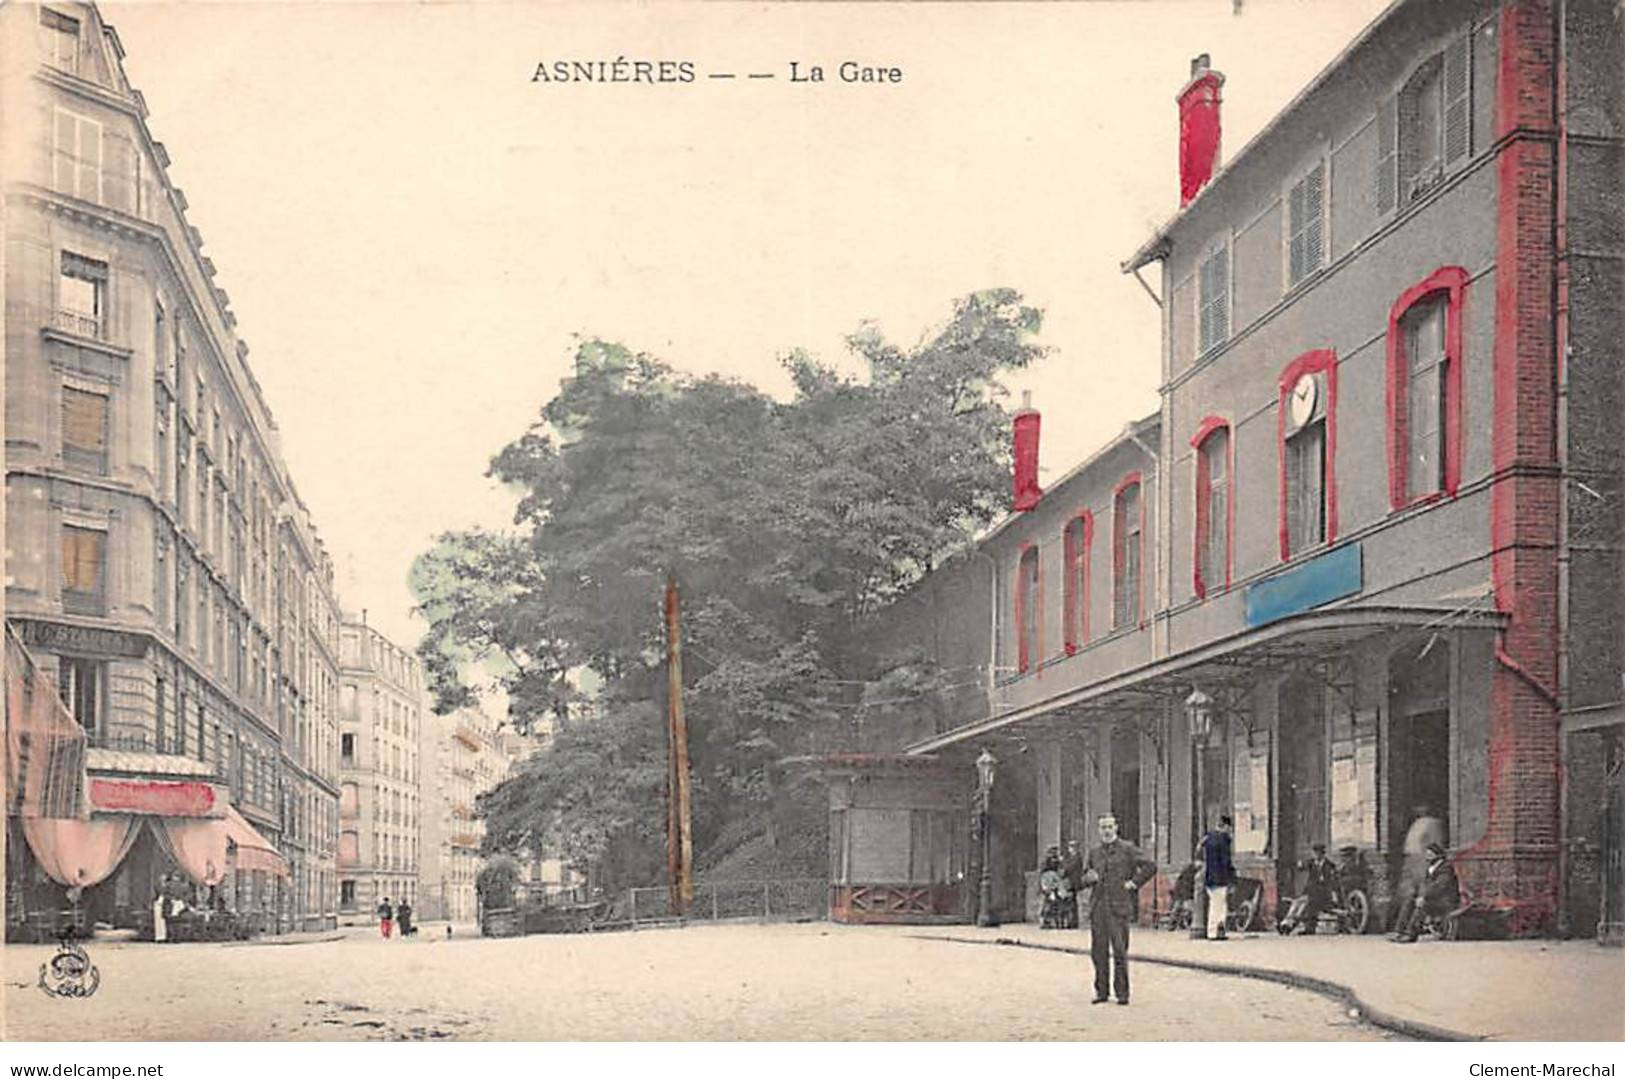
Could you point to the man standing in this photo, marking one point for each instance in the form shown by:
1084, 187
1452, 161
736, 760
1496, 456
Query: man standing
1116, 871
386, 917
1218, 872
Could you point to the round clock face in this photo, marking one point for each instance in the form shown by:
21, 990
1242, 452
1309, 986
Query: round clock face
1304, 395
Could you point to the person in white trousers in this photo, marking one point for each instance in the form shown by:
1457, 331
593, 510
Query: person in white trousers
1218, 873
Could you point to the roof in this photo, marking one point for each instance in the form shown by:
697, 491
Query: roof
1157, 246
1237, 657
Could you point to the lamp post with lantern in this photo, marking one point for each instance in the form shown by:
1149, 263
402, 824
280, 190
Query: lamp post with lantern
986, 763
1199, 714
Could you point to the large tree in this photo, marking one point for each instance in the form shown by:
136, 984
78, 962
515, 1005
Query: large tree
786, 524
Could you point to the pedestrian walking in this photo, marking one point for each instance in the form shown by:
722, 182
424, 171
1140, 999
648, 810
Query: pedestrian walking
1116, 870
403, 919
1218, 874
1426, 830
386, 917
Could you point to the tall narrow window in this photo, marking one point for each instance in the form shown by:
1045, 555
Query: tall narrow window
1076, 544
1213, 300
84, 430
1424, 389
1213, 518
1307, 436
1027, 610
84, 554
80, 684
62, 40
1306, 232
1128, 523
77, 161
81, 295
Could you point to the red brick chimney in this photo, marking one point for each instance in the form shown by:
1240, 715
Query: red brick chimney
1027, 492
1198, 128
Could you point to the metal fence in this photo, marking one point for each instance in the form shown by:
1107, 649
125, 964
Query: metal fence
799, 900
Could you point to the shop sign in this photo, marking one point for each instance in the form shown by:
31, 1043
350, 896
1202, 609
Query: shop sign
159, 798
83, 640
1302, 588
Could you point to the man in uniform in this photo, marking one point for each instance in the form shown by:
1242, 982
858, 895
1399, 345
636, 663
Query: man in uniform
1116, 870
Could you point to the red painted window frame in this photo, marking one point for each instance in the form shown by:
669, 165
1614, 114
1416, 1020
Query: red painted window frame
1075, 579
1204, 487
1451, 281
1316, 361
1025, 658
1131, 480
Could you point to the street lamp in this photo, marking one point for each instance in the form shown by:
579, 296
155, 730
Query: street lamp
1199, 714
985, 766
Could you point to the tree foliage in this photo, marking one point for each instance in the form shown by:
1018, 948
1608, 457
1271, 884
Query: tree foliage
786, 524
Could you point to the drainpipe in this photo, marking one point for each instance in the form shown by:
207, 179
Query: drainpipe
1560, 351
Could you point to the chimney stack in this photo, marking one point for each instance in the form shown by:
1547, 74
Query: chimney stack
1198, 128
1027, 492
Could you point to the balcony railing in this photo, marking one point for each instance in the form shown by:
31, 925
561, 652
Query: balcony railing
80, 325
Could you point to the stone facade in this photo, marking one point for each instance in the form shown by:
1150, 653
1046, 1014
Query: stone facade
159, 564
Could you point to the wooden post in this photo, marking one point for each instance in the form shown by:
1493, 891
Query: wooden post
680, 854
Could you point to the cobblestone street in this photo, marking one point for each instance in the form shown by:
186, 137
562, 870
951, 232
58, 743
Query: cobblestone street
741, 982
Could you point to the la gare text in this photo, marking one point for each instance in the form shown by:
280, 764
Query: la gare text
623, 69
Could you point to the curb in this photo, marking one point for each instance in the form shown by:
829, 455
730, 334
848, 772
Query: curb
325, 939
1410, 1028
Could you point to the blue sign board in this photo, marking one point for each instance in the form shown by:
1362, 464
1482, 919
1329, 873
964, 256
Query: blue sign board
1333, 575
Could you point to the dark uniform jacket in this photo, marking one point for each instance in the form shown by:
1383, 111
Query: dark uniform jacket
1321, 879
1441, 892
1218, 867
1109, 866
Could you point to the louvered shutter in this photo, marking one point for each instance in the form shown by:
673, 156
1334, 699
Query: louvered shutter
1314, 199
1387, 155
1295, 252
1458, 102
1221, 295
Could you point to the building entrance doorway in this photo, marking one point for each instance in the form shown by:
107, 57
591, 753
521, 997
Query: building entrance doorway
1419, 744
1303, 807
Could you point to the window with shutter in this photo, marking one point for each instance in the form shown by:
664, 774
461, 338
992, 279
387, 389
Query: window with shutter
77, 156
83, 561
1212, 539
1026, 614
1306, 487
1127, 555
1424, 388
84, 430
1306, 226
1213, 300
1426, 128
63, 43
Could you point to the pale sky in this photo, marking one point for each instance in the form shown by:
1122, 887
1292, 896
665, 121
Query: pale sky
411, 230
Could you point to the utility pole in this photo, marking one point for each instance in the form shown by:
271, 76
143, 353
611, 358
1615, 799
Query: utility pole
679, 835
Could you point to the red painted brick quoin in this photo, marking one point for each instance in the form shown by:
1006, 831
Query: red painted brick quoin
1514, 863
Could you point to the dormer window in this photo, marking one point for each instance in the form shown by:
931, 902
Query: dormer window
62, 40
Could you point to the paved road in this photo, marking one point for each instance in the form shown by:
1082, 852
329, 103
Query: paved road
739, 982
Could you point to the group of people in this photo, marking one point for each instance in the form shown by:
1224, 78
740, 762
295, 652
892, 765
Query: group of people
1060, 879
391, 917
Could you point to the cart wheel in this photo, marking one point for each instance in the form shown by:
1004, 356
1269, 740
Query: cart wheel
1243, 915
1358, 916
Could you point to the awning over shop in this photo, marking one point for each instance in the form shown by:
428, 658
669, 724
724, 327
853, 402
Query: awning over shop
204, 848
254, 851
79, 853
1237, 659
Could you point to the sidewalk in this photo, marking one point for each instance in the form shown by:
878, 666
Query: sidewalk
1527, 990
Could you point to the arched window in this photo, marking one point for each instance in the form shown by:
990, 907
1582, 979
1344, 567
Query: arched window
1306, 444
1128, 552
1026, 620
1215, 517
1424, 389
1077, 542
